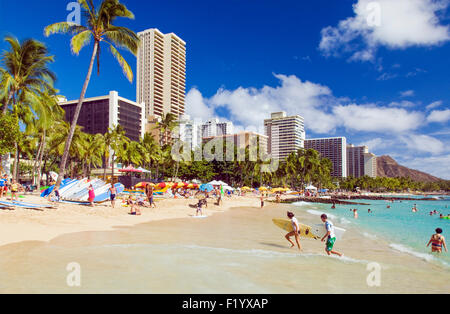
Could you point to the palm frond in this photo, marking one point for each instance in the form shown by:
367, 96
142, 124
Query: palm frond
79, 41
63, 28
123, 63
123, 38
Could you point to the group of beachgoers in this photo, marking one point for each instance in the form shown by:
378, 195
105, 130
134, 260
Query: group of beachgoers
329, 238
136, 205
13, 187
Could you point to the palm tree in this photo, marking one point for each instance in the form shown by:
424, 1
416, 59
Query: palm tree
166, 126
150, 150
100, 28
25, 71
106, 141
91, 152
119, 142
47, 113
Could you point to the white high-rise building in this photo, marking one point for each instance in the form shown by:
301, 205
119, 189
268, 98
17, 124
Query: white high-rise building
215, 128
189, 132
370, 165
161, 73
286, 134
360, 162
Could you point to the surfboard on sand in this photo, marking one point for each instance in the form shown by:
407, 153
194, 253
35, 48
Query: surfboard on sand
305, 230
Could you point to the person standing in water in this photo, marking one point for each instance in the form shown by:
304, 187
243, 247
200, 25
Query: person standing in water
355, 213
295, 233
112, 195
330, 236
437, 241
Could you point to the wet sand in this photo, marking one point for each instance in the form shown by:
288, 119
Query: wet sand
235, 251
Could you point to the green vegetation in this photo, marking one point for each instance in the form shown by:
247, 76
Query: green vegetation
100, 27
33, 129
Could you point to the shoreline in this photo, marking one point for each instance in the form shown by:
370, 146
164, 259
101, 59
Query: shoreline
345, 200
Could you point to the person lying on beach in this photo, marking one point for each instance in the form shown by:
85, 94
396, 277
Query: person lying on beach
330, 236
135, 211
437, 241
140, 201
295, 233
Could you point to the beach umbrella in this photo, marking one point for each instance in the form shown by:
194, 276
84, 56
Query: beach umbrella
143, 185
161, 185
193, 186
143, 170
130, 169
206, 188
263, 189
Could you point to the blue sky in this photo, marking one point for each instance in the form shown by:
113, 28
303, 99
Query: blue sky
378, 75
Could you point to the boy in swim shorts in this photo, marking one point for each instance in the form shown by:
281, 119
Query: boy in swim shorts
330, 236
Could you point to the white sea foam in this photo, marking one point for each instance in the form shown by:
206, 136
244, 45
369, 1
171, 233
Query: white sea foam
318, 213
301, 204
369, 236
344, 221
250, 252
401, 248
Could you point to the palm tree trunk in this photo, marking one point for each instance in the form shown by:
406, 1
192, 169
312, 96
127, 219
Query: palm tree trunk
112, 166
5, 107
35, 165
65, 157
38, 184
16, 162
105, 163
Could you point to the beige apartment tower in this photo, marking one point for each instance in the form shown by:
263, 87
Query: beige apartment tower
161, 73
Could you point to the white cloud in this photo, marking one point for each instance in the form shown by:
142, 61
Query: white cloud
395, 24
438, 166
439, 116
370, 118
402, 104
196, 106
324, 113
423, 143
407, 93
250, 106
434, 105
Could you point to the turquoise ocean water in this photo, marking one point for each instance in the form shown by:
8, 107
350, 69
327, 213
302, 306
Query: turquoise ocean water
406, 231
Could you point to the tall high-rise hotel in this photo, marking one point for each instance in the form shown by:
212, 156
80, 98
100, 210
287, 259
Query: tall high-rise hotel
161, 73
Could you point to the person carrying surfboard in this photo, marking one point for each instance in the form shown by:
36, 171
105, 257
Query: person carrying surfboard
295, 233
330, 236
